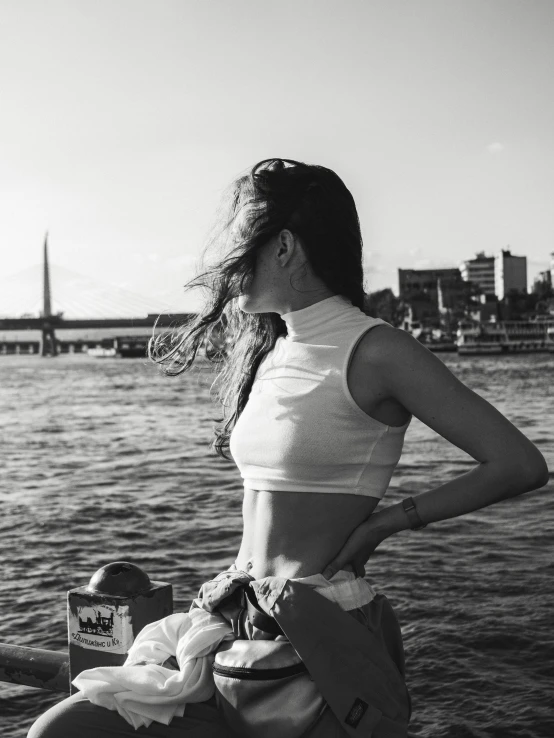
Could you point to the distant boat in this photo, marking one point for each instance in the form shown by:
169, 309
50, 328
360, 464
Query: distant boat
438, 344
550, 338
505, 337
132, 347
100, 352
436, 340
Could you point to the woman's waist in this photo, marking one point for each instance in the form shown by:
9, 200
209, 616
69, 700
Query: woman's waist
296, 534
289, 555
262, 564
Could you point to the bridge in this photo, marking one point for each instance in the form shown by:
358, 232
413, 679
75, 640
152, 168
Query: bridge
47, 322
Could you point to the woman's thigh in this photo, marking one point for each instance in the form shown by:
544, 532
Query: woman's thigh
76, 717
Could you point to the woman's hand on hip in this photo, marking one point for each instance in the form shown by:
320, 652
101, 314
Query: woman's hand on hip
359, 546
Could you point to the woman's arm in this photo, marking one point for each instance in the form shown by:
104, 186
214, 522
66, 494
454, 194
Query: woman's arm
508, 463
484, 485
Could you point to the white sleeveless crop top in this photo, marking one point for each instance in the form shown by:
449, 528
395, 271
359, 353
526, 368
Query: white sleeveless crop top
301, 430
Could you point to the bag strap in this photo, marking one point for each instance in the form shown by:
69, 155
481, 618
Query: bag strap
257, 617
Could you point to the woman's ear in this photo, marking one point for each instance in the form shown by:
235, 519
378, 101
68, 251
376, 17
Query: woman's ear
289, 243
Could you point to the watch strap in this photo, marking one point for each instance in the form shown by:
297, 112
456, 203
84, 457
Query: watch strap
416, 523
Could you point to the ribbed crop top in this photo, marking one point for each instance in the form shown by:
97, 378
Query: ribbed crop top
301, 430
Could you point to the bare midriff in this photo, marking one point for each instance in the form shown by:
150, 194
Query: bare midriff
296, 534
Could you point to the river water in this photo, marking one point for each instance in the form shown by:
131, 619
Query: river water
106, 460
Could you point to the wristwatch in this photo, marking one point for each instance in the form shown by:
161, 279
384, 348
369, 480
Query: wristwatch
416, 523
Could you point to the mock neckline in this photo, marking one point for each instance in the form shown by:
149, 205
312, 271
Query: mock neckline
315, 321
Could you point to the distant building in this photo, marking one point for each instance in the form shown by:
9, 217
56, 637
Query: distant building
423, 289
452, 292
480, 272
510, 272
552, 268
420, 283
542, 280
484, 309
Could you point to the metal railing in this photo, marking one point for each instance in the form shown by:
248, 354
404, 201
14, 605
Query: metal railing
34, 667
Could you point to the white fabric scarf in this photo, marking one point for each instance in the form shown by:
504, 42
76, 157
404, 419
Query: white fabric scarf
142, 694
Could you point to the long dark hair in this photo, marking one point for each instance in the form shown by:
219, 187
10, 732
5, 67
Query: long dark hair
312, 202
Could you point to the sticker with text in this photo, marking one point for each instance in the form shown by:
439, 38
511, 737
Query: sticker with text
101, 628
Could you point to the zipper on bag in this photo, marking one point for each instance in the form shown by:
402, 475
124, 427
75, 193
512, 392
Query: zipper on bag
243, 672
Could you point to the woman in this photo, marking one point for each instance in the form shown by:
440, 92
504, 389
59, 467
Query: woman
317, 397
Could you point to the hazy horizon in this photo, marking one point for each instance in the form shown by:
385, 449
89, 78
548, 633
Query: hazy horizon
123, 122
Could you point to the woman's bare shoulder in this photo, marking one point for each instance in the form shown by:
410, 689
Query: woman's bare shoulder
418, 379
383, 341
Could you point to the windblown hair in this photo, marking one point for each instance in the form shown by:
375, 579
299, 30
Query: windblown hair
314, 204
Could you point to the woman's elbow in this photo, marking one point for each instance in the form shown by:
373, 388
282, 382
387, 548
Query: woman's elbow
543, 474
535, 470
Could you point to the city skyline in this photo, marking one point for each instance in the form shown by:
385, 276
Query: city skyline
22, 294
123, 123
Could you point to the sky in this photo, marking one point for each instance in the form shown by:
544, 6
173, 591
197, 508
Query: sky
123, 122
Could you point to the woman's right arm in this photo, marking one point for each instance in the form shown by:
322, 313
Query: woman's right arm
508, 463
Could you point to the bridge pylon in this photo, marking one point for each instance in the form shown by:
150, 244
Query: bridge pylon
49, 346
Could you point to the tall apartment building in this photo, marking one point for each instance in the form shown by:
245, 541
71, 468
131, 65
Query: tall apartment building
480, 271
510, 272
